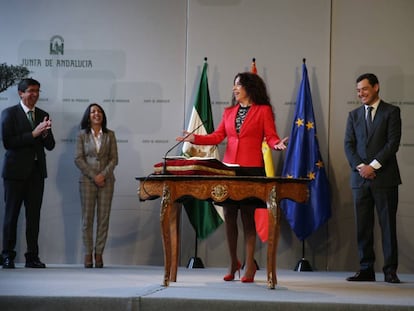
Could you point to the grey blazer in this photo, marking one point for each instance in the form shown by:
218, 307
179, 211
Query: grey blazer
91, 162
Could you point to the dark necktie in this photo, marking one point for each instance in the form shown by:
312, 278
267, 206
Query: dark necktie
369, 118
30, 117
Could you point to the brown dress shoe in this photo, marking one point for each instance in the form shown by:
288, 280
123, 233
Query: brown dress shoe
98, 261
391, 277
88, 261
363, 276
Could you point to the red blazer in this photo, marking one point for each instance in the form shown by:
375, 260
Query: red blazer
244, 148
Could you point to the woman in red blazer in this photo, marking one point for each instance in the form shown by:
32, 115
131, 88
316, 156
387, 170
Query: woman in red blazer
246, 123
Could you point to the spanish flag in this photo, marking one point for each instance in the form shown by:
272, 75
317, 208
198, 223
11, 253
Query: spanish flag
261, 214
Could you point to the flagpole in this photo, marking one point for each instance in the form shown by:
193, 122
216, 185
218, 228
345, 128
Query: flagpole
202, 101
195, 262
306, 219
303, 264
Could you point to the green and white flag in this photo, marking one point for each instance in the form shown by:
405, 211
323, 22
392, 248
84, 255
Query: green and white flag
203, 215
201, 113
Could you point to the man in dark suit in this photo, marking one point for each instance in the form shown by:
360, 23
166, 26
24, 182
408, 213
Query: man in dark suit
372, 139
26, 132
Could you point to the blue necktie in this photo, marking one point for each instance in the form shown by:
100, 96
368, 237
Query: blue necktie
369, 118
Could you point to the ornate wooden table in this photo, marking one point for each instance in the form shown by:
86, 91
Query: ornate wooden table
172, 188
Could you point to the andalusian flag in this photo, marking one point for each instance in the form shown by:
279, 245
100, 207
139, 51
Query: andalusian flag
202, 214
261, 214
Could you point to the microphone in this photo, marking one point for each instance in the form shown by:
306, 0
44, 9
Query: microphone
164, 166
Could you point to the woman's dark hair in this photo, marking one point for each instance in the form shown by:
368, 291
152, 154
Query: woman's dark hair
255, 88
86, 121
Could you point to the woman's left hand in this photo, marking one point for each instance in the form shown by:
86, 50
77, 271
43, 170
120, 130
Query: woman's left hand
282, 145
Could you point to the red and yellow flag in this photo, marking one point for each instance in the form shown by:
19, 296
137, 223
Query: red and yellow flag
261, 214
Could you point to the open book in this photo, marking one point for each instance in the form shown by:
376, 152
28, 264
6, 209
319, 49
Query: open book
181, 157
181, 165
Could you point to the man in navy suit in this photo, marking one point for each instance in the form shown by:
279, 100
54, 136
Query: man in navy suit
372, 139
26, 132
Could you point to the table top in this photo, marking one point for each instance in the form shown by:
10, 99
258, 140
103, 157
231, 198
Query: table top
221, 177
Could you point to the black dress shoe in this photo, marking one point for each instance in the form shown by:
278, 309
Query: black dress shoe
8, 263
363, 276
391, 277
35, 264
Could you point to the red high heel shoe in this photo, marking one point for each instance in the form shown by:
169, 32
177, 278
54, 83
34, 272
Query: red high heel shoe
230, 276
245, 279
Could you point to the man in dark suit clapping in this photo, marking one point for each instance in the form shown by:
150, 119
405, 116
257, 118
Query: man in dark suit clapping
26, 132
372, 139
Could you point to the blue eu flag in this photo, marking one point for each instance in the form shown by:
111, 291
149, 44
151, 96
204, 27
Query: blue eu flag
303, 160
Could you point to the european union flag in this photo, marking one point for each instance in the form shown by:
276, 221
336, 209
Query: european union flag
303, 160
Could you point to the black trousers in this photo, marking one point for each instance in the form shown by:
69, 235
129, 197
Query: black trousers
28, 192
384, 201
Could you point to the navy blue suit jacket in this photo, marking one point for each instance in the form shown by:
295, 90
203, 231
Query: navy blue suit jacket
381, 143
21, 147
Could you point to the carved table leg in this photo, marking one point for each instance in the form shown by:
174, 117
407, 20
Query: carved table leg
166, 207
273, 238
175, 239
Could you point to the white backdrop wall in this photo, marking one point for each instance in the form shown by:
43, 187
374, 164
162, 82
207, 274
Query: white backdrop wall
371, 36
137, 51
143, 61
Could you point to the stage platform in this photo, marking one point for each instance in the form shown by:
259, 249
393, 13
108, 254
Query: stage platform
138, 288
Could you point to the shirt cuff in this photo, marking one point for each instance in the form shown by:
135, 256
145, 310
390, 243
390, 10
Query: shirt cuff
375, 164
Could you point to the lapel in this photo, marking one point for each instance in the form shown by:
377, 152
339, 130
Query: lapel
232, 118
23, 116
377, 120
103, 143
360, 125
90, 144
379, 114
36, 117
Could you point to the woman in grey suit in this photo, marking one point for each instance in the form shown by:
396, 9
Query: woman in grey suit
96, 157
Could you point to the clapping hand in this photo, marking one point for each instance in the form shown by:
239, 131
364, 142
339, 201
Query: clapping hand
42, 128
